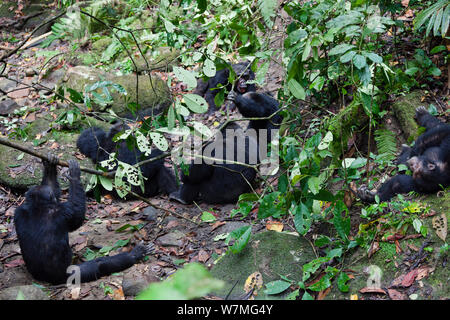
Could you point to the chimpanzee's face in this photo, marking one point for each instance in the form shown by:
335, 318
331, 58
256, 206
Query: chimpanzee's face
428, 165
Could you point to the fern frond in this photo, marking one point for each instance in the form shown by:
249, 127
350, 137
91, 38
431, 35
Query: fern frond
386, 144
267, 8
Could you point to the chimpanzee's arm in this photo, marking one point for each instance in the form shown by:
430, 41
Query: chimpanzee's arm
431, 138
50, 174
75, 206
104, 266
425, 119
401, 183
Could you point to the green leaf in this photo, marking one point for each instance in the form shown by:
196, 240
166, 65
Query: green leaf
106, 183
347, 57
417, 224
193, 281
208, 217
411, 71
209, 68
267, 8
373, 56
195, 103
359, 61
302, 219
242, 236
276, 287
340, 48
314, 184
296, 89
186, 76
159, 140
342, 282
267, 207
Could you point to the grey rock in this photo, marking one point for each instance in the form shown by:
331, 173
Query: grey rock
150, 213
28, 292
8, 106
134, 282
174, 238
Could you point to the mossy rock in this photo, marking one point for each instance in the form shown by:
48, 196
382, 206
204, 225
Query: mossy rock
405, 109
269, 252
153, 91
20, 171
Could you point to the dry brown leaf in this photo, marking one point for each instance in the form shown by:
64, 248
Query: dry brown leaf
423, 271
396, 295
373, 248
203, 256
15, 263
322, 294
413, 247
118, 294
217, 224
274, 226
349, 198
172, 224
440, 226
253, 282
54, 146
372, 290
409, 278
397, 247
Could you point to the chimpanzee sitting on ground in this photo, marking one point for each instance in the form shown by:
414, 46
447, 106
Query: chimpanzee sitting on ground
224, 182
97, 145
209, 91
428, 159
42, 224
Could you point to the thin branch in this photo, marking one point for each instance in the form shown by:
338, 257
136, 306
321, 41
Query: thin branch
19, 147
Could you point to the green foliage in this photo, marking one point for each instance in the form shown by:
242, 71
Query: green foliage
386, 144
241, 236
333, 43
193, 281
436, 18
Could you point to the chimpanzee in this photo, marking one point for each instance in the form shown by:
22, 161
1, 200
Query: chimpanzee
97, 145
209, 91
42, 224
428, 159
225, 182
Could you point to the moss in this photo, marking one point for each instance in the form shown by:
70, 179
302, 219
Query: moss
405, 109
271, 253
342, 124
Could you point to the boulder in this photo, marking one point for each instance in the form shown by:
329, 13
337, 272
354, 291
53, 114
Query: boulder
270, 253
153, 93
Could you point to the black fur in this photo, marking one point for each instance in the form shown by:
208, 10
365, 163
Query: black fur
97, 145
428, 159
42, 224
208, 89
225, 182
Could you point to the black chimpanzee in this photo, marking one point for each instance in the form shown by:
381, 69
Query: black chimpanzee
428, 159
224, 182
209, 91
97, 145
42, 224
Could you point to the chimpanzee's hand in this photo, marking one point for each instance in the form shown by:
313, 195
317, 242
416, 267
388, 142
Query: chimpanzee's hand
232, 95
365, 194
141, 250
52, 160
74, 169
